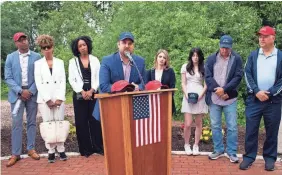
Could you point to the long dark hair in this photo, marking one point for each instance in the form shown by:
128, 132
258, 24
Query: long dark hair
190, 64
74, 47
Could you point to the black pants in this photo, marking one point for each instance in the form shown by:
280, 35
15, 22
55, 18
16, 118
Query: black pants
271, 113
88, 129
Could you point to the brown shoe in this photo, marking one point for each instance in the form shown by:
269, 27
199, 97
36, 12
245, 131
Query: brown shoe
12, 161
32, 153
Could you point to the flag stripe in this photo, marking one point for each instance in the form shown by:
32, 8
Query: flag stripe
151, 121
137, 133
146, 131
141, 132
154, 118
159, 118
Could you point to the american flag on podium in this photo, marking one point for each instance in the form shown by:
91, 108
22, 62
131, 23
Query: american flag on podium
147, 119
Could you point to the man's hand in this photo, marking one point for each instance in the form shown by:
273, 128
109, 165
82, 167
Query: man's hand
50, 104
25, 95
58, 103
136, 86
224, 97
219, 91
262, 95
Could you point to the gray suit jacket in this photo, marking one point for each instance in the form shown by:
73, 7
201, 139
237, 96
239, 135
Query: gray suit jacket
13, 75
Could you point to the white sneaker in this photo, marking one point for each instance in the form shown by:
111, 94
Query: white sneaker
188, 149
196, 150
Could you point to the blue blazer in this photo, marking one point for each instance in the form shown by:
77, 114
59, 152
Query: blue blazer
111, 71
233, 80
13, 75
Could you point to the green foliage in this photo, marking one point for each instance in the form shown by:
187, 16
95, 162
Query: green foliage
174, 26
4, 90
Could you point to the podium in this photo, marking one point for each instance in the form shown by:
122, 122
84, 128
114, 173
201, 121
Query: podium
137, 132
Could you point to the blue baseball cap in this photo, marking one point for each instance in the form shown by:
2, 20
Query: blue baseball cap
126, 35
226, 41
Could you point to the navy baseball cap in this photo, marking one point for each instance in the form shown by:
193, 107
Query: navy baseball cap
226, 41
126, 35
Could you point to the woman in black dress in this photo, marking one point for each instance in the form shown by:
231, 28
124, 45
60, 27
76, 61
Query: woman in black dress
84, 80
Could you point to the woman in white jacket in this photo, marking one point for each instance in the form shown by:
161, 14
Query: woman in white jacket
50, 80
84, 80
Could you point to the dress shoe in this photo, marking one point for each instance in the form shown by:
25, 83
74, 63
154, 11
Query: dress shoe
269, 166
12, 161
32, 153
245, 165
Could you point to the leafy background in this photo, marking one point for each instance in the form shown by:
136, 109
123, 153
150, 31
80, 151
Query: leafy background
174, 26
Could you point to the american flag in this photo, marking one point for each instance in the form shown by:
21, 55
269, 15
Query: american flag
147, 119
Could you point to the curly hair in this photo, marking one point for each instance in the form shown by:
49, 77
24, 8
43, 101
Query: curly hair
74, 45
43, 40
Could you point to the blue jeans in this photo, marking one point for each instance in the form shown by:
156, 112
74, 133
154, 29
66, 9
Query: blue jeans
230, 113
17, 126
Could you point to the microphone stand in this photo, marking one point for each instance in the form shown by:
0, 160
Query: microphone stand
132, 60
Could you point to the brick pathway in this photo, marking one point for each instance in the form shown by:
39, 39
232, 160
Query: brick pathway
94, 165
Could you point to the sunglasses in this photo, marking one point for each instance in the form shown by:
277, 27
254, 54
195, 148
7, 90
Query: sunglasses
46, 47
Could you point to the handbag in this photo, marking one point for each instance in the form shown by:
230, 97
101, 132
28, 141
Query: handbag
193, 98
54, 131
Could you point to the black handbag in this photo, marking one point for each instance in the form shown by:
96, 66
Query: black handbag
193, 98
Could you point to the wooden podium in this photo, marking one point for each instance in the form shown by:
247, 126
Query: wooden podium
134, 145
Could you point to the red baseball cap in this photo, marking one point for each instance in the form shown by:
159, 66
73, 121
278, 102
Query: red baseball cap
266, 30
155, 85
18, 35
122, 86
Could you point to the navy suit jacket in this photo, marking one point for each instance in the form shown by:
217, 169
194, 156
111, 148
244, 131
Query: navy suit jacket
111, 71
168, 78
13, 75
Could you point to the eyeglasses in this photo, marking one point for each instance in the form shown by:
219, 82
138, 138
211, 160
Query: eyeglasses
46, 47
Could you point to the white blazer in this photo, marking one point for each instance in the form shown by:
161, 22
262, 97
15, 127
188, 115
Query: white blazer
75, 75
50, 86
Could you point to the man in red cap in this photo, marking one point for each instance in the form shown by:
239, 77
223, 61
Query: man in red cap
263, 74
19, 76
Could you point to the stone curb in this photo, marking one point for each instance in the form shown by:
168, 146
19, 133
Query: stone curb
72, 154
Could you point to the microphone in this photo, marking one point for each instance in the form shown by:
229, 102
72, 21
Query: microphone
128, 55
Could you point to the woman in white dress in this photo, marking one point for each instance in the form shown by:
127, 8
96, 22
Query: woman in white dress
192, 81
50, 80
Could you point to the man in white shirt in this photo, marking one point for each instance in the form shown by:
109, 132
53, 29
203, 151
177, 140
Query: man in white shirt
19, 76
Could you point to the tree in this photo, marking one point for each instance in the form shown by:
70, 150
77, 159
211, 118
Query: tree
177, 27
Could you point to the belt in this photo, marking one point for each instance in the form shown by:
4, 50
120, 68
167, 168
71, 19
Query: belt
24, 87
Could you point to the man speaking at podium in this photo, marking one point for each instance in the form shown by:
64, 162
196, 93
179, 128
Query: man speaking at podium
121, 65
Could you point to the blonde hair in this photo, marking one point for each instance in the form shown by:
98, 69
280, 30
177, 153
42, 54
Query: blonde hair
166, 56
43, 40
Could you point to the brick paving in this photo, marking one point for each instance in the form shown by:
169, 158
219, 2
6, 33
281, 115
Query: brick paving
94, 165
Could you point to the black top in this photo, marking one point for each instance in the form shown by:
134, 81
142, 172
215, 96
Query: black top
86, 75
168, 78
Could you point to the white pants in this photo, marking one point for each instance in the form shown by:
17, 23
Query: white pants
48, 114
280, 137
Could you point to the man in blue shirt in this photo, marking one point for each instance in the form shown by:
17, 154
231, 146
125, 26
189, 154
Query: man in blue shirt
263, 74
